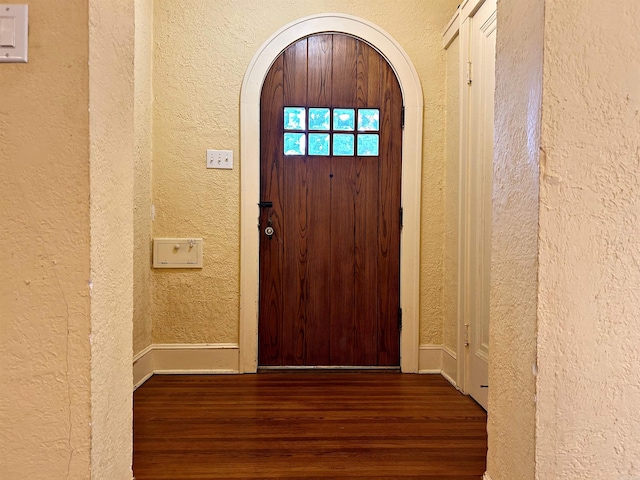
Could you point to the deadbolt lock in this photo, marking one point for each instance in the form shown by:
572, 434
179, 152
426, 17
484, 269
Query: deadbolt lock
269, 231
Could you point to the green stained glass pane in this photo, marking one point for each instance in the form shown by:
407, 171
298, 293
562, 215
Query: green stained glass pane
294, 143
319, 119
294, 118
344, 119
368, 120
318, 144
368, 145
343, 144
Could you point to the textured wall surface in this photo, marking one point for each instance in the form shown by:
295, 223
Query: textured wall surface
518, 96
112, 157
143, 115
202, 51
451, 200
44, 227
589, 303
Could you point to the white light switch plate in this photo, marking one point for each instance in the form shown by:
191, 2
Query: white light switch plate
220, 159
14, 33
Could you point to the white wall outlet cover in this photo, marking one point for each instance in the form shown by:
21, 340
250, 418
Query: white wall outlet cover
14, 33
222, 159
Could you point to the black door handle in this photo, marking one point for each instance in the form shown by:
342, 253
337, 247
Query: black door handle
265, 204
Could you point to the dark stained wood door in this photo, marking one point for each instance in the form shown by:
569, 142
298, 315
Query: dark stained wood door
330, 224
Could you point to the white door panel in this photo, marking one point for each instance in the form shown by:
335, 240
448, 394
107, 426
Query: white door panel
481, 115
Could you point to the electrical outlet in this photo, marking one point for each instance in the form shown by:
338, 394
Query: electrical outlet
220, 159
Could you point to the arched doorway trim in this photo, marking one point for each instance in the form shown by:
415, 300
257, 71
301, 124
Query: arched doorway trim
250, 175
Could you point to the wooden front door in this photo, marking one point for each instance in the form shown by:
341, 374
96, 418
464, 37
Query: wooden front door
330, 218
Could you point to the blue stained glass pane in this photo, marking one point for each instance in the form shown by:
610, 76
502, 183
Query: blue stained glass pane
344, 119
294, 143
318, 144
368, 119
319, 119
343, 144
368, 145
294, 118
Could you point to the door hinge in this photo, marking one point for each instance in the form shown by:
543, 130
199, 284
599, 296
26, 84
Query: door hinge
400, 318
466, 335
469, 80
401, 218
402, 120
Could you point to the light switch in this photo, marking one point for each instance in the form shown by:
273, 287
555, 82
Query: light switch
222, 159
14, 33
7, 32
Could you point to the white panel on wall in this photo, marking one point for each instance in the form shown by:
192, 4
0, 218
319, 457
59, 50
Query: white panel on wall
177, 253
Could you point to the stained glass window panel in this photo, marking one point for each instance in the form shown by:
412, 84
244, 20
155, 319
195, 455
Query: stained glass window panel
294, 143
368, 120
319, 119
344, 119
343, 144
318, 144
294, 118
368, 145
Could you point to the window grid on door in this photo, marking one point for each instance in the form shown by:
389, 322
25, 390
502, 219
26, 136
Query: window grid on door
331, 131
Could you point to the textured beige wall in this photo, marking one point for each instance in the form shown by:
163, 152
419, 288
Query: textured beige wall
511, 421
143, 114
44, 227
112, 157
202, 51
588, 311
451, 198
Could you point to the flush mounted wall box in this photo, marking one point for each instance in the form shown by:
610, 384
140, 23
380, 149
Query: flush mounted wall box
14, 33
177, 253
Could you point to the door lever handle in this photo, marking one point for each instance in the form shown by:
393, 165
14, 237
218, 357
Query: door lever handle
265, 204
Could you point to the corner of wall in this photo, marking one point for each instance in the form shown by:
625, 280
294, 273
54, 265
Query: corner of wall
514, 272
112, 156
142, 175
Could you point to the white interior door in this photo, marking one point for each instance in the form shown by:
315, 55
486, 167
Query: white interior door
482, 43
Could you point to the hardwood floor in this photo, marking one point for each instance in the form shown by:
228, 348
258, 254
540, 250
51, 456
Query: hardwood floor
306, 426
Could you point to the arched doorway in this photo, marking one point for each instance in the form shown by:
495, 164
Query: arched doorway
330, 216
250, 176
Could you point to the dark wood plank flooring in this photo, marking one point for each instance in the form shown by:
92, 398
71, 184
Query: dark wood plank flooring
306, 426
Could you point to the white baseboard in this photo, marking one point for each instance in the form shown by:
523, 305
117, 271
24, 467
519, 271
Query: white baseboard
142, 367
430, 359
449, 365
486, 476
175, 358
438, 359
221, 358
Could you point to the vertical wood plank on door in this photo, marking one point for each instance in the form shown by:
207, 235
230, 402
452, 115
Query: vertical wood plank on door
320, 48
343, 333
317, 334
366, 267
318, 217
271, 187
366, 228
344, 94
343, 218
389, 225
295, 272
368, 74
295, 74
295, 287
345, 50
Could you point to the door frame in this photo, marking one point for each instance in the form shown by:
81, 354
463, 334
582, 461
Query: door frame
460, 26
250, 176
